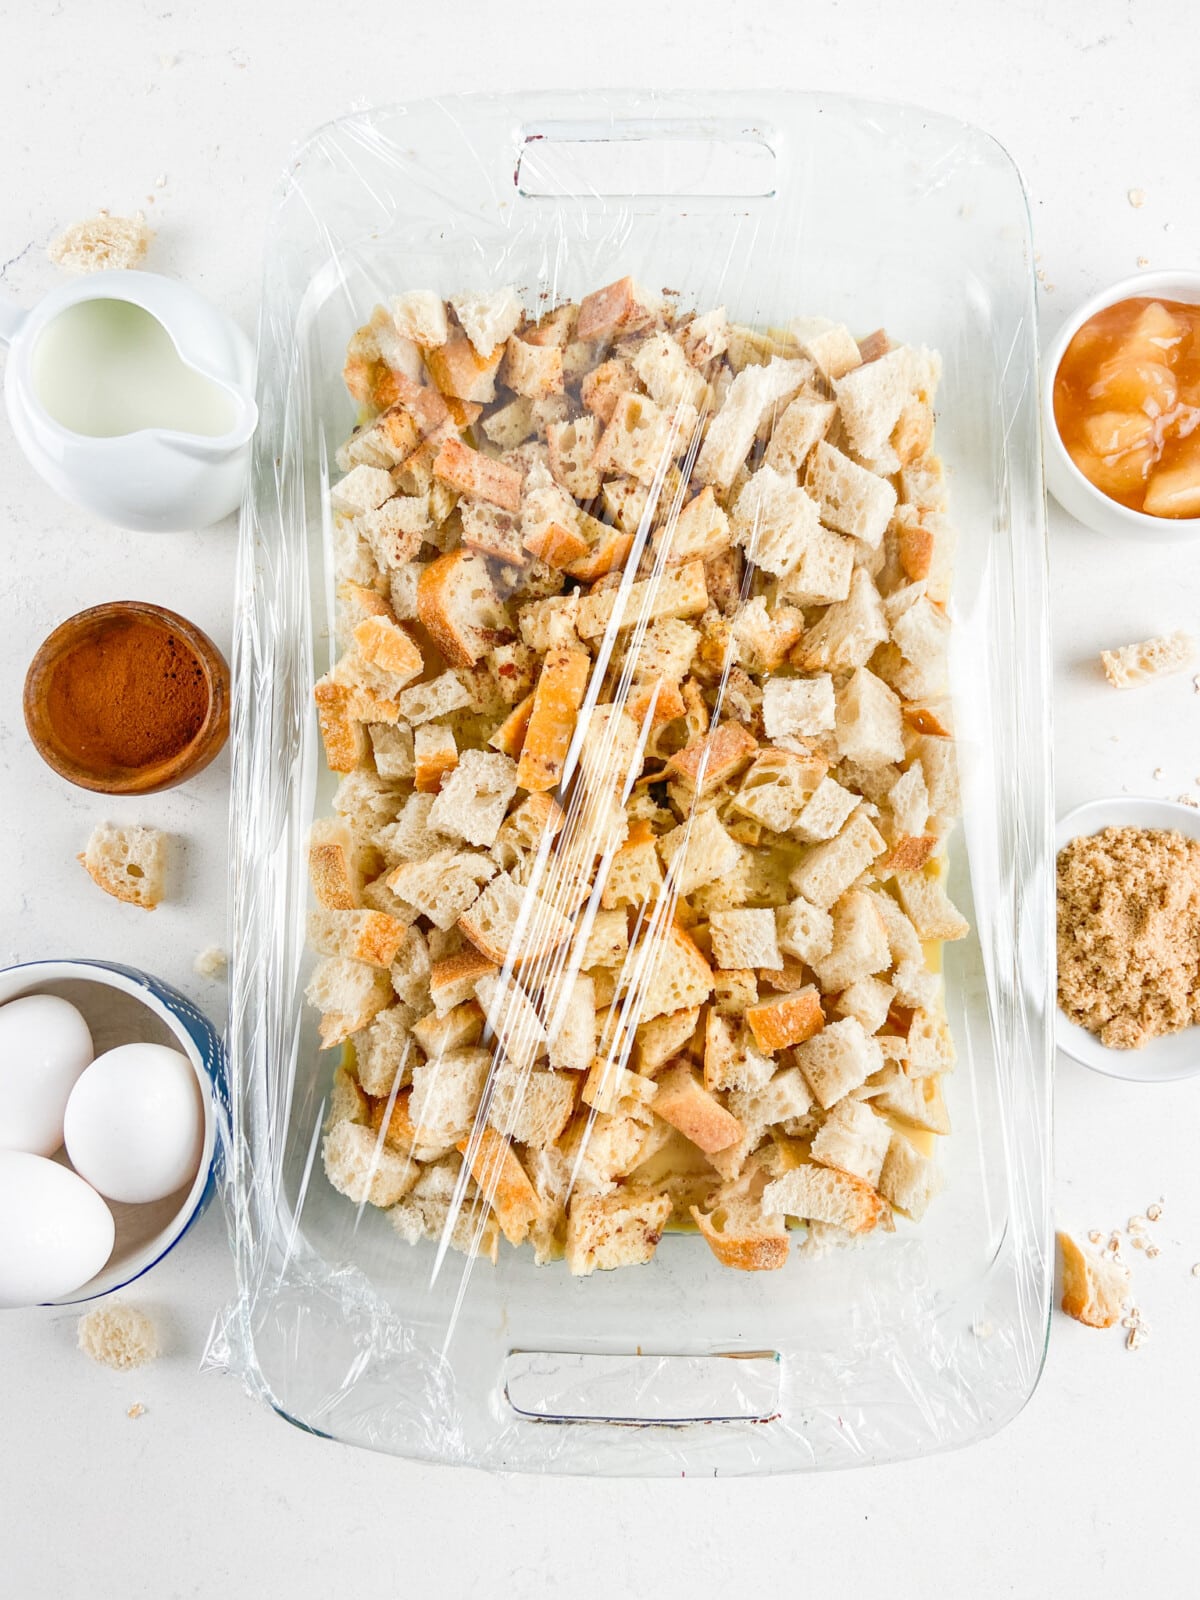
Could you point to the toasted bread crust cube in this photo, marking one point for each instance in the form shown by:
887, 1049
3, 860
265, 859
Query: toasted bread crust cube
556, 701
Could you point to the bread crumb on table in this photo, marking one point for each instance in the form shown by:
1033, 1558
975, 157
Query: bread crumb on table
128, 863
1131, 664
211, 962
1129, 934
1137, 198
118, 1336
102, 244
136, 1410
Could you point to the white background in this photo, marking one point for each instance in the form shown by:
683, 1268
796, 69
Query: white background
1092, 1489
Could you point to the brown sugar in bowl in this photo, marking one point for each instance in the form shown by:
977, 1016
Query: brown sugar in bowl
127, 698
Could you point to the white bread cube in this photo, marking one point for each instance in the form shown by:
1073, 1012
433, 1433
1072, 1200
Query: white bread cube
918, 1101
665, 651
773, 521
871, 398
444, 885
868, 999
922, 635
531, 1108
915, 985
512, 1018
732, 1059
852, 500
848, 631
698, 851
411, 837
939, 762
349, 994
705, 337
777, 787
822, 575
824, 1194
698, 531
363, 489
860, 946
909, 1179
572, 446
783, 1096
607, 940
803, 706
1153, 658
472, 801
870, 725
365, 935
803, 424
392, 748
510, 425
446, 1095
678, 592
804, 930
930, 908
930, 1044
829, 869
550, 623
745, 938
488, 320
666, 372
435, 698
762, 637
908, 799
419, 315
641, 438
571, 1024
128, 863
826, 812
616, 1230
753, 394
831, 346
853, 1139
837, 1060
361, 1166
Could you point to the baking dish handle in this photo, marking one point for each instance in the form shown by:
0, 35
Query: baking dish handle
639, 158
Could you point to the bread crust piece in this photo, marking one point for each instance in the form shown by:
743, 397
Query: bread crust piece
786, 1019
1095, 1289
621, 1229
739, 1245
560, 689
477, 476
684, 1102
712, 760
824, 1194
502, 1181
459, 608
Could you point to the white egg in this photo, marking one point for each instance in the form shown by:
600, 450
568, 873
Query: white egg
55, 1232
134, 1123
44, 1046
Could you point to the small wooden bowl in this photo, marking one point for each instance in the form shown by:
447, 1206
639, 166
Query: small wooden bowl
178, 768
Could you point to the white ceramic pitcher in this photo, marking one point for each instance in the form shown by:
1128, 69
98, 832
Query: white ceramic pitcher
152, 479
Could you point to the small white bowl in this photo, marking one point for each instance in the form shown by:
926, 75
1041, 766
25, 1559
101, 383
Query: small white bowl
124, 1006
1174, 1055
1066, 483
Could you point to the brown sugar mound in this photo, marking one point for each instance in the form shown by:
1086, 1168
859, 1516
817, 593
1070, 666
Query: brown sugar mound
1129, 934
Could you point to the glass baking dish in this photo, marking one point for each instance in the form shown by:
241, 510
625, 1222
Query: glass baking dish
773, 205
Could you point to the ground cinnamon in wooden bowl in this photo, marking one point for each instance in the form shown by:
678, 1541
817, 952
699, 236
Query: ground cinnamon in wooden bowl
127, 698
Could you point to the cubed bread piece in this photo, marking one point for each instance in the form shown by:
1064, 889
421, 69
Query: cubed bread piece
908, 1178
698, 851
669, 972
709, 761
860, 945
392, 749
823, 573
829, 869
458, 605
444, 885
1095, 1288
534, 1107
803, 424
550, 623
510, 925
128, 863
1153, 658
683, 1101
697, 532
419, 315
503, 1182
635, 874
362, 489
678, 592
452, 980
823, 1194
664, 652
396, 530
871, 398
742, 1236
804, 930
455, 1030
929, 907
847, 632
908, 799
852, 500
348, 994
437, 697
607, 941
620, 307
460, 372
334, 864
777, 788
621, 1229
570, 1012
773, 521
668, 375
473, 799
826, 812
922, 635
853, 1139
837, 1060
511, 424
745, 938
664, 1037
868, 999
930, 1043
359, 1165
609, 1086
476, 476
603, 386
488, 319
802, 706
369, 936
705, 337
732, 1059
560, 689
780, 1020
572, 447
642, 439
434, 755
755, 393
446, 1095
939, 762
870, 727
831, 346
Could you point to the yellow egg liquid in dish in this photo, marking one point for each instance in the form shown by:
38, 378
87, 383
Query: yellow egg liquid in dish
1127, 405
105, 368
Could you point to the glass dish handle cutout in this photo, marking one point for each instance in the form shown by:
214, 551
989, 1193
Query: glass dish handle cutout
632, 1389
626, 160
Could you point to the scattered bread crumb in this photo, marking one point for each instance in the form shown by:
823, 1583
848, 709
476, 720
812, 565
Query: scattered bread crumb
1139, 1329
1196, 1269
211, 962
118, 1336
1129, 934
136, 1410
1158, 774
1132, 664
1137, 198
1188, 800
128, 863
1154, 1211
102, 243
1143, 261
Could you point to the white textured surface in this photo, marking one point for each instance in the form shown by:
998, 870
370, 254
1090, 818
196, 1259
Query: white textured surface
1090, 1490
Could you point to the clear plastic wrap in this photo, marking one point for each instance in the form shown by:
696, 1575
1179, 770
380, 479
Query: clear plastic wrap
773, 206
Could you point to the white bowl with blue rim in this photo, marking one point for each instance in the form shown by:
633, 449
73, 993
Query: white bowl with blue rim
1173, 1055
124, 1006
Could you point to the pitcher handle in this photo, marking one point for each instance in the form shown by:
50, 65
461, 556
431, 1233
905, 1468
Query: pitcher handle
12, 317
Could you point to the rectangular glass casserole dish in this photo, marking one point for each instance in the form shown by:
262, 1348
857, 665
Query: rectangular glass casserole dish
774, 205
